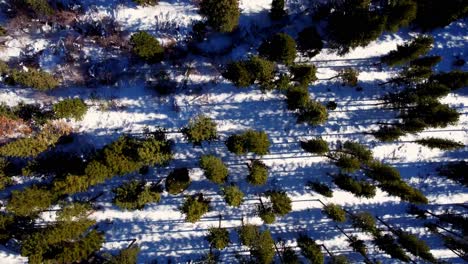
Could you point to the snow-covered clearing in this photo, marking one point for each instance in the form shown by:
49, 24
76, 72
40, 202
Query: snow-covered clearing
160, 228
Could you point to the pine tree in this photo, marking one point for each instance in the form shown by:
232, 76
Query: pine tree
400, 14
320, 188
30, 201
309, 41
221, 15
233, 195
126, 256
134, 195
70, 108
218, 237
313, 113
263, 250
408, 51
303, 74
33, 78
147, 47
280, 48
317, 146
335, 212
248, 234
348, 164
249, 141
364, 221
281, 203
440, 143
194, 207
455, 171
454, 80
214, 168
358, 188
310, 249
178, 181
297, 98
258, 173
199, 129
415, 246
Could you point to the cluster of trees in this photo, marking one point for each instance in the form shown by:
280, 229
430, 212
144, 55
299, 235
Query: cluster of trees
354, 158
248, 72
249, 141
34, 78
134, 195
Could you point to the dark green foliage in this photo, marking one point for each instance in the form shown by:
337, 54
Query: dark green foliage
146, 2
408, 51
263, 249
82, 249
147, 47
248, 234
266, 214
214, 168
439, 13
218, 237
47, 165
280, 201
358, 188
277, 9
262, 70
297, 98
310, 250
415, 246
440, 143
382, 172
413, 125
200, 128
5, 180
251, 71
249, 141
388, 244
455, 171
289, 256
309, 41
364, 221
321, 188
454, 79
349, 76
335, 212
38, 7
331, 105
126, 256
313, 113
357, 245
33, 78
426, 62
233, 195
283, 83
258, 173
221, 15
357, 150
30, 146
70, 108
6, 223
348, 164
178, 181
400, 14
31, 112
303, 74
388, 133
135, 195
280, 48
316, 146
404, 191
30, 201
432, 113
195, 207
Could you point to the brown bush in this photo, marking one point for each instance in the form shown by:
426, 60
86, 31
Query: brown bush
11, 127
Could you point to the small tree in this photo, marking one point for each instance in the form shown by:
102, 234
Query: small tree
195, 207
248, 234
382, 172
135, 195
310, 249
126, 256
455, 171
454, 80
416, 246
317, 146
70, 108
178, 181
297, 98
321, 188
4, 179
221, 15
30, 201
258, 173
281, 203
249, 141
349, 76
440, 143
348, 164
310, 41
214, 168
364, 221
335, 212
277, 9
400, 14
388, 133
280, 48
303, 74
388, 244
313, 113
266, 214
33, 78
147, 47
263, 250
358, 150
239, 73
408, 51
233, 195
218, 237
200, 128
426, 61
358, 188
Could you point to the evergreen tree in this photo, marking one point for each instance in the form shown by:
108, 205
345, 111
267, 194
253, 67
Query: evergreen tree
388, 133
218, 237
415, 246
439, 13
266, 214
335, 212
317, 146
382, 172
358, 188
440, 143
399, 14
364, 221
70, 108
30, 201
303, 74
194, 207
313, 113
221, 15
277, 9
200, 128
233, 195
321, 188
408, 51
455, 171
388, 244
309, 41
358, 150
126, 256
258, 173
147, 47
349, 76
5, 180
178, 181
280, 48
214, 168
249, 141
310, 249
248, 234
33, 78
426, 61
281, 203
134, 195
263, 250
348, 164
297, 98
454, 80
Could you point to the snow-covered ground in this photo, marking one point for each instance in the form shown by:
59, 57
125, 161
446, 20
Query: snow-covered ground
160, 228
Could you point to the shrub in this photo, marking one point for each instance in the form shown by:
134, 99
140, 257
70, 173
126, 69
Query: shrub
258, 173
218, 237
409, 51
316, 146
440, 143
146, 2
47, 164
70, 108
239, 73
33, 78
297, 98
310, 249
126, 256
233, 195
313, 113
303, 74
388, 244
261, 69
277, 9
30, 201
249, 141
335, 212
321, 188
348, 164
364, 221
195, 207
281, 203
388, 133
415, 246
178, 181
455, 171
358, 188
135, 195
146, 47
309, 41
200, 128
221, 15
340, 259
214, 168
248, 234
279, 48
3, 32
